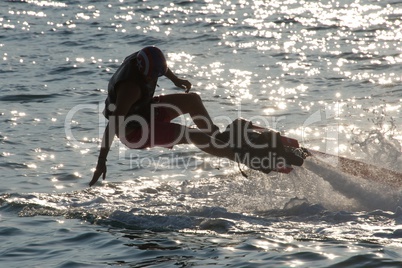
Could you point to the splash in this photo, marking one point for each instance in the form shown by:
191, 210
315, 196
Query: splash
379, 145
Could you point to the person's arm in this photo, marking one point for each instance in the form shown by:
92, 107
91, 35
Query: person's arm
127, 95
101, 169
181, 83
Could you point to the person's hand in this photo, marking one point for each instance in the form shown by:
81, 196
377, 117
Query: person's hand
100, 170
184, 84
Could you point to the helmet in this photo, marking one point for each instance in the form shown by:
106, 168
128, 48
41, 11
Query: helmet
151, 62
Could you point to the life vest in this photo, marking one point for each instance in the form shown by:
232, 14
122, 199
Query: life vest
128, 71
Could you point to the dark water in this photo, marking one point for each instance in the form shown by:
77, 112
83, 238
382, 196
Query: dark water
326, 73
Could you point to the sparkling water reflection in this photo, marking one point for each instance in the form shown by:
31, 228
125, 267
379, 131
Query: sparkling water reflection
326, 73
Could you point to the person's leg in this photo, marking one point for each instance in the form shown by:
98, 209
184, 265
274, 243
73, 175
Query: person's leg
205, 136
188, 103
167, 135
205, 142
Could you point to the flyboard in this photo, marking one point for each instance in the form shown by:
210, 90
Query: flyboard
266, 150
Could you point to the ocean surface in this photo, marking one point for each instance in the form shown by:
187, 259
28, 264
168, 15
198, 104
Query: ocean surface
327, 73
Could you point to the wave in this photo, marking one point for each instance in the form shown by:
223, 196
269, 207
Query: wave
28, 97
225, 204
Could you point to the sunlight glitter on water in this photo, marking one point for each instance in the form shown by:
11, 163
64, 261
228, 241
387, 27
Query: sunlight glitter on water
46, 3
289, 59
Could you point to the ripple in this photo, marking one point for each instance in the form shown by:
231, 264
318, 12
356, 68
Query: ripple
292, 59
23, 98
10, 231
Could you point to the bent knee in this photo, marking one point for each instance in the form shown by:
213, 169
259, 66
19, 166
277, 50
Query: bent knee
194, 97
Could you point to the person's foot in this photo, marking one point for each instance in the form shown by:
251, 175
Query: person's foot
296, 156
